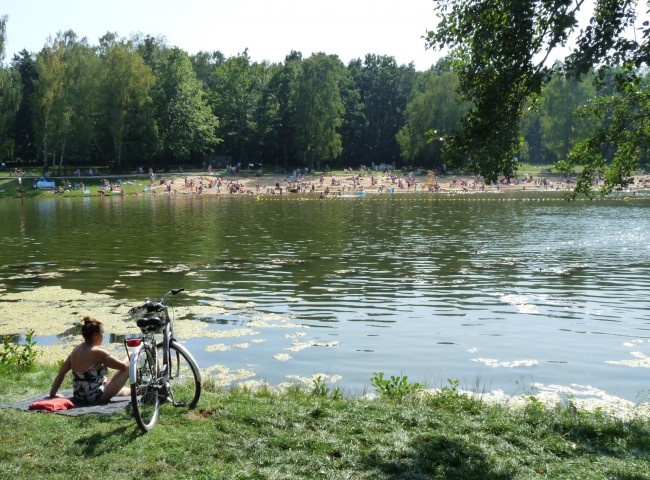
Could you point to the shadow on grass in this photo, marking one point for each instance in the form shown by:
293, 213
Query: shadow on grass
440, 457
102, 443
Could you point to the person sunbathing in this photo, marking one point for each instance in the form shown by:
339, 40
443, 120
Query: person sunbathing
89, 364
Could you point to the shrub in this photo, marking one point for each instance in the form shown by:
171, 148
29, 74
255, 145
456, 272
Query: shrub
320, 389
17, 357
395, 387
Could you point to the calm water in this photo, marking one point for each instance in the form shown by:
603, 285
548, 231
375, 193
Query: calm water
498, 291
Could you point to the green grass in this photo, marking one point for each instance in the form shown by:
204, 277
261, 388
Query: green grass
9, 188
240, 434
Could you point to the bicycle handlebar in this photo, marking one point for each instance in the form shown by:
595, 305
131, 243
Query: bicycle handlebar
173, 291
157, 305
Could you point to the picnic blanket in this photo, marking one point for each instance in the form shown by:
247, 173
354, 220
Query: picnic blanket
116, 405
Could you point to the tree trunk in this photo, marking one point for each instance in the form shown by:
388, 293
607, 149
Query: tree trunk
99, 148
118, 155
45, 150
61, 157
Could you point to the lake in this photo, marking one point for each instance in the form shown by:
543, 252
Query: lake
519, 292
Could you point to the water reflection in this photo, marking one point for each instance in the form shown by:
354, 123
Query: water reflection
75, 331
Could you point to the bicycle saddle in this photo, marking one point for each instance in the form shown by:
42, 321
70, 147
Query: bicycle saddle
149, 324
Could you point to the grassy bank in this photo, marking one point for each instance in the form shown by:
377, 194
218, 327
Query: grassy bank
10, 188
313, 434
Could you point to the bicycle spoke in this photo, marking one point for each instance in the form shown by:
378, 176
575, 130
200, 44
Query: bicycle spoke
144, 392
184, 378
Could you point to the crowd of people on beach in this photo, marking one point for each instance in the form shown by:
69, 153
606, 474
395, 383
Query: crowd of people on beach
351, 182
329, 183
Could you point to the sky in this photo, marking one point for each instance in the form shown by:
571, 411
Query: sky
269, 29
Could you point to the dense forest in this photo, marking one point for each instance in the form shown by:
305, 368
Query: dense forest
129, 103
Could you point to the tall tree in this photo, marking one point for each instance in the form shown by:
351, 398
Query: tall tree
3, 36
186, 123
24, 133
83, 69
533, 149
204, 64
265, 148
10, 93
319, 110
385, 90
49, 99
560, 126
74, 132
355, 123
620, 141
64, 90
238, 86
153, 51
125, 83
501, 51
284, 83
434, 113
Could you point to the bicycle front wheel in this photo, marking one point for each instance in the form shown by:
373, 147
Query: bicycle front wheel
184, 377
145, 399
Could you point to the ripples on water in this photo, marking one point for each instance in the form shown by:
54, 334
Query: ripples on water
498, 291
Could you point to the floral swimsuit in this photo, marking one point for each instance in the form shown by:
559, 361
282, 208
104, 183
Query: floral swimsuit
88, 386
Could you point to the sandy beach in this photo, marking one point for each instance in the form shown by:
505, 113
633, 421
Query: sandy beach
353, 182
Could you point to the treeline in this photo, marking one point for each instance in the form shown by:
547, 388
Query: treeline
129, 103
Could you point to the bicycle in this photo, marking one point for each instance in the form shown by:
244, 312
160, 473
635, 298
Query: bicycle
154, 366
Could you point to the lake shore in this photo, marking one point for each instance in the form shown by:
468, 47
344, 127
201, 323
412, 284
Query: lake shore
330, 184
334, 184
316, 432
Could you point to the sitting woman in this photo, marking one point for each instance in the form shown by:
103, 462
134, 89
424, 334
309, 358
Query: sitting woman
89, 364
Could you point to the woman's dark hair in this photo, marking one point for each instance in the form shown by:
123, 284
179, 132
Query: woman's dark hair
90, 327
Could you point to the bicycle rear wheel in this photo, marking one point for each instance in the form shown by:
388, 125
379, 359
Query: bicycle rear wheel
145, 398
184, 377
